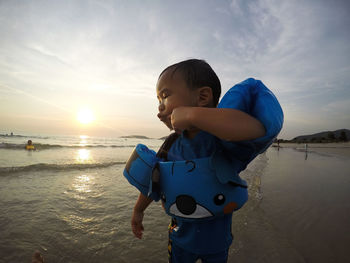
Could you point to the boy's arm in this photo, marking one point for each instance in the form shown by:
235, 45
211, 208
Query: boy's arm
226, 124
137, 216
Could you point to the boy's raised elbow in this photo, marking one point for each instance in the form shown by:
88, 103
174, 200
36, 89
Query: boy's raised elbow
260, 131
254, 131
257, 131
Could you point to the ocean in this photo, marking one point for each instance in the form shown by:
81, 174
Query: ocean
69, 200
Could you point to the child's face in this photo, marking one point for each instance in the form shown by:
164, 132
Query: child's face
172, 92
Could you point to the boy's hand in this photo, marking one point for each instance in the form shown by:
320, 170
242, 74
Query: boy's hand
136, 224
181, 119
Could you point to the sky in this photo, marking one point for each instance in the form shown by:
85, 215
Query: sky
58, 57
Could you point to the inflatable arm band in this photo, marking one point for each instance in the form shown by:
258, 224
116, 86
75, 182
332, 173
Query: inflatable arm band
138, 169
253, 97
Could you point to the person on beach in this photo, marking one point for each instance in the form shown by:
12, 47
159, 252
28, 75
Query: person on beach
30, 145
188, 94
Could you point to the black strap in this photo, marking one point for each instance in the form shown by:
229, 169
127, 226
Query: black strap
163, 154
164, 149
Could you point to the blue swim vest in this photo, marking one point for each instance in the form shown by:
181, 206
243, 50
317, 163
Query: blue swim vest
189, 189
204, 188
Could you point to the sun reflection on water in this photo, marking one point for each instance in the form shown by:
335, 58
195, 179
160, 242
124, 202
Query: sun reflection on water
83, 183
83, 140
83, 156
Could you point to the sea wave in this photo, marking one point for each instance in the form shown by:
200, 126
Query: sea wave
40, 146
23, 136
56, 167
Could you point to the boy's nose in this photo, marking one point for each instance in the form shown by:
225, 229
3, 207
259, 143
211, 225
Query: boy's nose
161, 108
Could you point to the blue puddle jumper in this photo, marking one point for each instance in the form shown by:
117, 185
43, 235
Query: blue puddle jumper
204, 188
189, 189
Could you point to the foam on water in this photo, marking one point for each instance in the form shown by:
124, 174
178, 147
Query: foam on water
65, 152
54, 167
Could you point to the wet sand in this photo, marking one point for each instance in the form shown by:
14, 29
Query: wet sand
303, 214
341, 149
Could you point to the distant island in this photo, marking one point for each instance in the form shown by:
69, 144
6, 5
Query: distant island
135, 137
141, 137
342, 135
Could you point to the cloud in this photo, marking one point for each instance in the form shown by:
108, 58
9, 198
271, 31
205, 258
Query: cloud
340, 108
110, 53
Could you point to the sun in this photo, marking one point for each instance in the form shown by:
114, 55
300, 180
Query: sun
85, 116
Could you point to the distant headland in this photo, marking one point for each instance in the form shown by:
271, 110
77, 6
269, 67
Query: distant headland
341, 135
135, 137
141, 137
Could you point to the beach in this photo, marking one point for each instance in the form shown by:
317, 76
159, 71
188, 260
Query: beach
303, 214
70, 201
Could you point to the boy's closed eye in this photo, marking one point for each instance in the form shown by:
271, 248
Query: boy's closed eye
163, 95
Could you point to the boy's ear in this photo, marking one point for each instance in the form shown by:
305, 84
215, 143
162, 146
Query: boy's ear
205, 97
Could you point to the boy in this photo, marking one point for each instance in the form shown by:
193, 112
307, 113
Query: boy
188, 94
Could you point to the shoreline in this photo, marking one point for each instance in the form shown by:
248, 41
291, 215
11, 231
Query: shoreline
287, 227
255, 237
340, 149
315, 145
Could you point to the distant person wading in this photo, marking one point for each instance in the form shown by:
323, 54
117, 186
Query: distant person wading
30, 145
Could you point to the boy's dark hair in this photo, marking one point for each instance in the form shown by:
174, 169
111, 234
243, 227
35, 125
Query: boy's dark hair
197, 73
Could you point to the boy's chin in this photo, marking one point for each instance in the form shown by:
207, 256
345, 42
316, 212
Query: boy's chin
178, 131
169, 126
175, 130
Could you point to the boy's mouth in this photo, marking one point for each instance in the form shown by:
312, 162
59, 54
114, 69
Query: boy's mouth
164, 118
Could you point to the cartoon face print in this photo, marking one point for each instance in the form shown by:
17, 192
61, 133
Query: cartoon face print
191, 190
